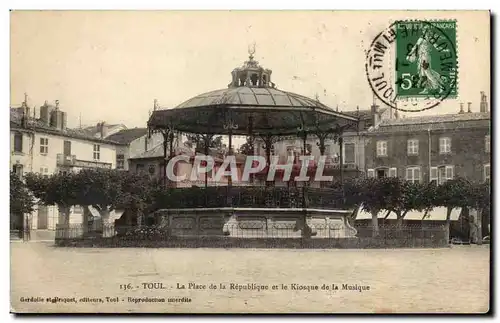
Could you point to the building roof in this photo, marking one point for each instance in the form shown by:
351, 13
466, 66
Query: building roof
126, 136
364, 114
111, 128
157, 152
435, 122
38, 125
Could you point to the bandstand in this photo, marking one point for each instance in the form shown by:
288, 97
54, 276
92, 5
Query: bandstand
254, 107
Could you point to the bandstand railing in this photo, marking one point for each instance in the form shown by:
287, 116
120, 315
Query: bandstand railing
251, 196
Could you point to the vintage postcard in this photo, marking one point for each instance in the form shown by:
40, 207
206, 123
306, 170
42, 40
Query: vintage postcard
250, 161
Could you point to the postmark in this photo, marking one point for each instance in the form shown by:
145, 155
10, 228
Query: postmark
412, 65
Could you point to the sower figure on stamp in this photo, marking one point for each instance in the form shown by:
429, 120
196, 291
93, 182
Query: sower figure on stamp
429, 79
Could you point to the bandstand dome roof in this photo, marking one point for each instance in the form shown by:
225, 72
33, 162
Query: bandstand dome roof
250, 104
264, 97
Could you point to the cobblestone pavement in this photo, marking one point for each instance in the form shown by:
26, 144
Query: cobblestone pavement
453, 280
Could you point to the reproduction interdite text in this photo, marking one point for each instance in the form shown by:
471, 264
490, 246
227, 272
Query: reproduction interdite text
165, 298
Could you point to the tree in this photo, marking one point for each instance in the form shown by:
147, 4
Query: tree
352, 191
101, 189
21, 199
453, 194
373, 195
479, 199
139, 195
246, 148
404, 196
59, 189
198, 141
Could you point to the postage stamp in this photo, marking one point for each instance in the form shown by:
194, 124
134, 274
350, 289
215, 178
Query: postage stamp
413, 65
426, 62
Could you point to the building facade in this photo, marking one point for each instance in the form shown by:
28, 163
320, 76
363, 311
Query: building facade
45, 145
432, 148
353, 146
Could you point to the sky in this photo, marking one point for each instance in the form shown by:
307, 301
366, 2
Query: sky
111, 65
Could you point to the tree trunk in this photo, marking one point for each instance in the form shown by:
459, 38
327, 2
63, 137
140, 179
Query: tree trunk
448, 221
479, 226
399, 221
128, 217
63, 222
107, 228
85, 220
375, 230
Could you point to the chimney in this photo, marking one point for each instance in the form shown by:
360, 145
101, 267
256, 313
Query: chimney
45, 113
461, 108
64, 121
26, 109
468, 107
103, 130
483, 106
375, 116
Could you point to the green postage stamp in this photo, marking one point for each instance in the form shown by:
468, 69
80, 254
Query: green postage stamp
426, 62
412, 65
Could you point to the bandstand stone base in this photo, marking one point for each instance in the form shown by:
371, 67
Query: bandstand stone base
256, 222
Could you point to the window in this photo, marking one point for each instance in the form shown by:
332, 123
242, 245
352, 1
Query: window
381, 173
442, 173
328, 150
381, 148
487, 143
444, 145
97, 152
18, 142
487, 172
139, 168
349, 153
413, 174
44, 146
152, 169
18, 170
77, 209
120, 161
413, 147
67, 148
44, 171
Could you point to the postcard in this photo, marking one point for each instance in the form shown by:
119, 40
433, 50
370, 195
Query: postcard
250, 162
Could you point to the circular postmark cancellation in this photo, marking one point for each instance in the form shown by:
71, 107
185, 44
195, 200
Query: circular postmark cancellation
412, 65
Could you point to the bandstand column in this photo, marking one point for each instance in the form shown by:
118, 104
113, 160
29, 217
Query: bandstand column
165, 161
341, 159
268, 142
230, 126
251, 142
171, 152
206, 144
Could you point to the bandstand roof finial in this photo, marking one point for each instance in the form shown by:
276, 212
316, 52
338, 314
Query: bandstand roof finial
251, 51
